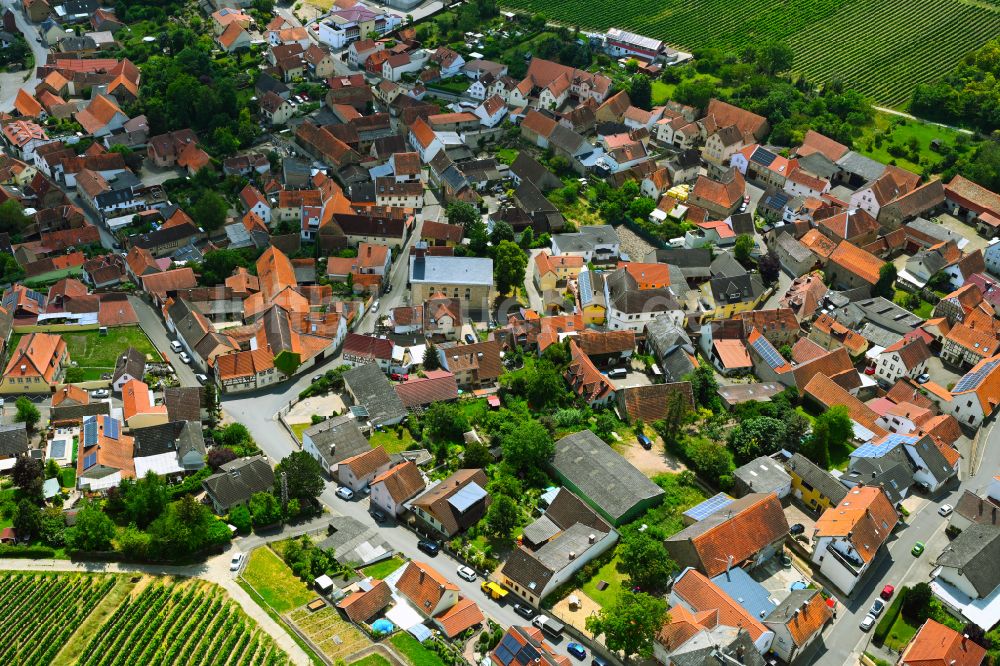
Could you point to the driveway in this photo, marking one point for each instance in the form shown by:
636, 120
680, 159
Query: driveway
152, 325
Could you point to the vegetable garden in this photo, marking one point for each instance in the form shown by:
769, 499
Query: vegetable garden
41, 612
883, 49
190, 623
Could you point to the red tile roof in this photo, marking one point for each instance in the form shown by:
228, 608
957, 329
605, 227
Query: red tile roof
938, 645
742, 536
701, 594
865, 517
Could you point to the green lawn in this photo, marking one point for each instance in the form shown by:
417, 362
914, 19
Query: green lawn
614, 578
96, 354
414, 652
390, 441
840, 456
68, 477
506, 155
474, 410
371, 660
382, 569
900, 634
904, 134
662, 92
299, 428
275, 582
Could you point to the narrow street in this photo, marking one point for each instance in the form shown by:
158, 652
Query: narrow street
845, 642
14, 81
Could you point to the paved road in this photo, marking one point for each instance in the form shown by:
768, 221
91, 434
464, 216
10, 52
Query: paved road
845, 642
152, 325
12, 83
908, 116
215, 570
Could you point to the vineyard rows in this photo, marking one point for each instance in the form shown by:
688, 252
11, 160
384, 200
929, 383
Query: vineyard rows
881, 47
164, 624
41, 612
180, 624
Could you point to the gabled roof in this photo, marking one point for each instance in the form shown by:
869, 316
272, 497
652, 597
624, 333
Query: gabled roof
803, 613
700, 594
829, 394
938, 645
424, 586
746, 527
855, 260
401, 482
361, 606
865, 517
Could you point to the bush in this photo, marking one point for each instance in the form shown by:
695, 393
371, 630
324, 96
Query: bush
30, 552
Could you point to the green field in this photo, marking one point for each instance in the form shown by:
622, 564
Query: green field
275, 582
881, 48
97, 354
414, 652
93, 620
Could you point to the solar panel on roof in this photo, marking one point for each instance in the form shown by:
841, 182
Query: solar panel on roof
768, 352
507, 649
111, 427
528, 654
90, 433
974, 379
763, 157
709, 506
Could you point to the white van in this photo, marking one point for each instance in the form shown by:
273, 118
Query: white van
176, 346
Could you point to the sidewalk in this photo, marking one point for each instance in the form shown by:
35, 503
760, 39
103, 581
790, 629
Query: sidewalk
215, 570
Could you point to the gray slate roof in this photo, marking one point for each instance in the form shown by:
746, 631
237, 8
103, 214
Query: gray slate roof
451, 270
132, 362
338, 438
608, 482
975, 553
373, 391
763, 475
238, 480
817, 477
587, 238
182, 437
13, 440
892, 471
354, 542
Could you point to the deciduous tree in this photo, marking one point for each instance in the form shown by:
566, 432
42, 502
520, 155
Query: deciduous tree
630, 623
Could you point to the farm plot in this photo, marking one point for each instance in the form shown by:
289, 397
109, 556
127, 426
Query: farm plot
334, 637
40, 612
180, 623
883, 48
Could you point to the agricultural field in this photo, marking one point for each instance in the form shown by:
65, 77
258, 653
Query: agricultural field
883, 49
89, 620
41, 612
180, 623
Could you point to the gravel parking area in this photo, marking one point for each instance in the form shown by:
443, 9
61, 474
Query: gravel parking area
632, 245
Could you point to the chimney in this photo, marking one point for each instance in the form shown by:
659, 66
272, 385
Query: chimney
994, 515
980, 506
591, 538
572, 555
421, 580
965, 637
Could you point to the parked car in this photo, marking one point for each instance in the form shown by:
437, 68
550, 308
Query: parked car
923, 379
378, 516
645, 442
345, 493
870, 370
185, 359
577, 651
524, 611
466, 573
176, 346
796, 529
429, 547
867, 623
618, 373
236, 562
375, 305
599, 661
877, 607
469, 339
887, 591
100, 393
945, 510
399, 377
917, 549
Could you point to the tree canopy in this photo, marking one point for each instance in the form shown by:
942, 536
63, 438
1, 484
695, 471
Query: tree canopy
527, 449
630, 623
509, 265
304, 476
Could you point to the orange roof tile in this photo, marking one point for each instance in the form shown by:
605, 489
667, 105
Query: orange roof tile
938, 645
701, 594
742, 536
424, 586
733, 354
829, 394
865, 516
809, 619
36, 355
461, 616
135, 400
855, 260
361, 606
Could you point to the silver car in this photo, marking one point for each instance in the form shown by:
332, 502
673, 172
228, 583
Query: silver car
867, 623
